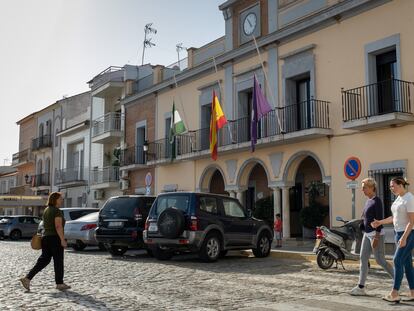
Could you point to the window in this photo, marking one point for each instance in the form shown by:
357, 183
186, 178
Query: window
177, 201
232, 209
209, 205
383, 178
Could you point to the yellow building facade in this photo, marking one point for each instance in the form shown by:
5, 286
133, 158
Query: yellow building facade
339, 77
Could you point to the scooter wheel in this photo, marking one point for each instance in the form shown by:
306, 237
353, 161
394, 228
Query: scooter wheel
324, 260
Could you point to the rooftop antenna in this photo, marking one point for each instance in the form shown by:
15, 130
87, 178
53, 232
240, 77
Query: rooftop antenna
147, 41
179, 47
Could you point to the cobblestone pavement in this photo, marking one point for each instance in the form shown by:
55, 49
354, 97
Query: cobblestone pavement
138, 282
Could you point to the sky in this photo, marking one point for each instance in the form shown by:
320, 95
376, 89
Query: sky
51, 48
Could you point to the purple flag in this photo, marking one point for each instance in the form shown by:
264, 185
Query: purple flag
260, 107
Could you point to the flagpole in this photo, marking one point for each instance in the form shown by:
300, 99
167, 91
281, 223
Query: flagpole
268, 85
220, 89
181, 104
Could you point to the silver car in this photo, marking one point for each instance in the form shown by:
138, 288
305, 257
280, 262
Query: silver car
17, 227
80, 233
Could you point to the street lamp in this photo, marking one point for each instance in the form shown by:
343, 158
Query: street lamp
145, 146
26, 178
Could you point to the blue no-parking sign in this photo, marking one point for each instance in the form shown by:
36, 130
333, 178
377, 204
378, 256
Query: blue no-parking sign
352, 168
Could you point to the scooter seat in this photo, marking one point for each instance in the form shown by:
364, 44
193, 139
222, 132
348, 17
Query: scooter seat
341, 234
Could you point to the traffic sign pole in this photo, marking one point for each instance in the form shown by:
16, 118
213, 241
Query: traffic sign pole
352, 169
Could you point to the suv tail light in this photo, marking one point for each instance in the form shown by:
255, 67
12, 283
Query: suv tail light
193, 223
88, 227
137, 214
146, 225
319, 233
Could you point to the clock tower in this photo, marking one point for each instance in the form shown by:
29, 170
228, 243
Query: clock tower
245, 19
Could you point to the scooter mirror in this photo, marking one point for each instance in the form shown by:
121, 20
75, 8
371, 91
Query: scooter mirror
339, 218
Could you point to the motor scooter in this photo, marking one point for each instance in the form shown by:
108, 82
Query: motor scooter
338, 244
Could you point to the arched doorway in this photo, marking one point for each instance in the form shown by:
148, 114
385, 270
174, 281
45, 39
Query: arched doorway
212, 180
257, 188
217, 183
253, 192
307, 183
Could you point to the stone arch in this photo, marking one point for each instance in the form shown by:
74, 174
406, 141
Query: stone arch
293, 163
245, 170
204, 183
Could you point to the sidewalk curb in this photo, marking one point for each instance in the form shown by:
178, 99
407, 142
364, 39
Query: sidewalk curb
310, 257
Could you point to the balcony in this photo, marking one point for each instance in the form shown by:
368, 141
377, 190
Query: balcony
107, 129
40, 180
133, 158
21, 158
377, 105
107, 177
69, 177
41, 142
289, 124
108, 83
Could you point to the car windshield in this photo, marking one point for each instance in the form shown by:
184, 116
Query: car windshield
89, 217
178, 201
120, 207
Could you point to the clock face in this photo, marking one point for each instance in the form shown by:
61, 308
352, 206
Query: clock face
249, 24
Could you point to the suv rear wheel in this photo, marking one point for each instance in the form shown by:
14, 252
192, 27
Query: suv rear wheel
15, 235
210, 250
263, 245
115, 250
162, 254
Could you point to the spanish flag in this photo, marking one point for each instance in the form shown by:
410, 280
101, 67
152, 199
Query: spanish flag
217, 121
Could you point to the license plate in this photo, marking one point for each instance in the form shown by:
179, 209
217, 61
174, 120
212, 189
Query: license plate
317, 243
153, 227
115, 224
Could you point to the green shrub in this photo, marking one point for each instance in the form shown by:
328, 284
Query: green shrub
264, 210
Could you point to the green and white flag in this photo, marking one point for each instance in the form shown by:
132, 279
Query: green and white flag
177, 125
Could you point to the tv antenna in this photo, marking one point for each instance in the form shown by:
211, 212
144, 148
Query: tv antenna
179, 47
148, 29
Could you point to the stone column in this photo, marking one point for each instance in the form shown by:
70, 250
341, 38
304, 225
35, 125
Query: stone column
277, 209
286, 212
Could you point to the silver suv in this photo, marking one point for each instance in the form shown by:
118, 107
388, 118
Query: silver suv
16, 227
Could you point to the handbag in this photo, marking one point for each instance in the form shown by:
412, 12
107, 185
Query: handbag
36, 242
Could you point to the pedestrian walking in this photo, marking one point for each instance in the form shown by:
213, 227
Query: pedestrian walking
53, 243
278, 227
403, 219
373, 239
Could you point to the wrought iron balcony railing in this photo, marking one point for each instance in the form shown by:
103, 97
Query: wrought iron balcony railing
377, 99
41, 180
302, 116
22, 157
110, 74
69, 175
105, 175
44, 141
107, 123
133, 155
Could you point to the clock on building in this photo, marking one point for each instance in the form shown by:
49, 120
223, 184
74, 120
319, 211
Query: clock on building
249, 24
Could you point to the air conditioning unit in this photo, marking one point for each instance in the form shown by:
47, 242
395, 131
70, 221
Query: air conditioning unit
123, 184
98, 194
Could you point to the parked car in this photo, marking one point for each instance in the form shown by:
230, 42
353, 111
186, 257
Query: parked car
205, 223
121, 222
80, 232
17, 227
72, 213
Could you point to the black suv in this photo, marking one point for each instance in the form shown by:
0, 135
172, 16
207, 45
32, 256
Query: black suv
121, 222
205, 223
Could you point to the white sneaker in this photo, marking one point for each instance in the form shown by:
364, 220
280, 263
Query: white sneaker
356, 291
